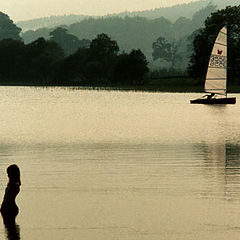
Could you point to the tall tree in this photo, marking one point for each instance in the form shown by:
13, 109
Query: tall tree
41, 55
8, 29
204, 40
103, 46
130, 68
68, 42
12, 59
170, 52
32, 35
162, 49
101, 57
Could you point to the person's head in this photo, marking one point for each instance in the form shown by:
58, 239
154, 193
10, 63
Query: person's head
13, 172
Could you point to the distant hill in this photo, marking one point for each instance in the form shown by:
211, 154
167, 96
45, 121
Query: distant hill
171, 13
50, 22
132, 32
182, 10
136, 31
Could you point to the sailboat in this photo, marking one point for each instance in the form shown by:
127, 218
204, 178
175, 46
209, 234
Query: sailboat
216, 78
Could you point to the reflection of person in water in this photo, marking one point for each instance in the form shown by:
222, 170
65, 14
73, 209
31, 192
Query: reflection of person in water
9, 209
13, 232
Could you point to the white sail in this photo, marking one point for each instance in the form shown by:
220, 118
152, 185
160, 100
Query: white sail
216, 79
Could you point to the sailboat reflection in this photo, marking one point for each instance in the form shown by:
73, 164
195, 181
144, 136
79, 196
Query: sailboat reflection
222, 169
232, 171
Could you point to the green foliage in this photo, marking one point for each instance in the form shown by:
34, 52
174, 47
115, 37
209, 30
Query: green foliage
204, 41
71, 68
100, 63
42, 46
102, 46
167, 73
68, 42
31, 63
43, 62
134, 32
33, 35
174, 54
12, 59
162, 49
41, 55
130, 33
130, 68
8, 29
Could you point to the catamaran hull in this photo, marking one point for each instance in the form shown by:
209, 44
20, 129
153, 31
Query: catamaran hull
214, 101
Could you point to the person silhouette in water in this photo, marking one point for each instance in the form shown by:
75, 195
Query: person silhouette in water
9, 209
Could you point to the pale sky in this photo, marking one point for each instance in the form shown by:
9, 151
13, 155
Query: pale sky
29, 9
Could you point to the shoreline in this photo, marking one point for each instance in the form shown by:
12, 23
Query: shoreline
180, 84
142, 88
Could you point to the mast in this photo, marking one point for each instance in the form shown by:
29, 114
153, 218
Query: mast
226, 59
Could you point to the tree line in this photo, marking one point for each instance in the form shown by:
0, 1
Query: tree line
42, 62
65, 59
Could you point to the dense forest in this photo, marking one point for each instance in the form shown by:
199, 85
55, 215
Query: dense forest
76, 55
140, 33
45, 62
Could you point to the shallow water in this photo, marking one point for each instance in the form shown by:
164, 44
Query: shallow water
121, 165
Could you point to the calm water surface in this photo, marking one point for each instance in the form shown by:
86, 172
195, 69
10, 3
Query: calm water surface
104, 165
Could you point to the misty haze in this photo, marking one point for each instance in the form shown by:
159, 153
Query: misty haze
120, 120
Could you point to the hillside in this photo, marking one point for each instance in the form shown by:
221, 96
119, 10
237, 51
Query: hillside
171, 13
50, 22
136, 32
183, 10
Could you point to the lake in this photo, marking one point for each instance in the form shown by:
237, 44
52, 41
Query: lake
103, 165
